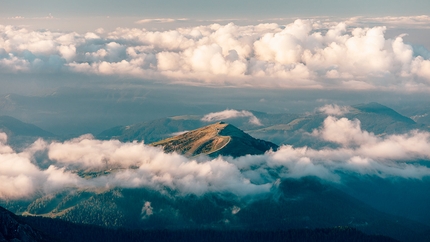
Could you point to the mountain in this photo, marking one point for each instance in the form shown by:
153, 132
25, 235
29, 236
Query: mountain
20, 134
281, 128
417, 111
380, 119
12, 228
216, 139
20, 228
296, 204
15, 127
154, 130
374, 117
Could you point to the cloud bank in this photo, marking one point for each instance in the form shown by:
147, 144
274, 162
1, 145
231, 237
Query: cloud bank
136, 165
303, 54
229, 114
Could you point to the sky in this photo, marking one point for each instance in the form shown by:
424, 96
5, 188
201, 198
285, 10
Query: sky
213, 9
220, 54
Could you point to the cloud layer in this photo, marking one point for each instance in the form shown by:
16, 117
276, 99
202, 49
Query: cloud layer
138, 165
303, 54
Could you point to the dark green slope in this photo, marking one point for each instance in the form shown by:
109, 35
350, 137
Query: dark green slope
296, 204
67, 231
14, 228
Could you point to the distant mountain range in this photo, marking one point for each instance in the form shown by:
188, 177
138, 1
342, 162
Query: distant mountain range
283, 128
22, 134
15, 127
280, 129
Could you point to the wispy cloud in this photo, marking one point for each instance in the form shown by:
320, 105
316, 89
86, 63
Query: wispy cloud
230, 114
334, 110
16, 18
159, 20
421, 21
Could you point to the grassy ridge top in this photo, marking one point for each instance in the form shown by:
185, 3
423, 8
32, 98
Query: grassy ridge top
204, 140
215, 139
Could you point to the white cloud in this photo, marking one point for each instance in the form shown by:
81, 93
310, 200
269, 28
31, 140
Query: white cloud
179, 133
334, 110
20, 178
230, 114
147, 210
303, 54
344, 131
348, 134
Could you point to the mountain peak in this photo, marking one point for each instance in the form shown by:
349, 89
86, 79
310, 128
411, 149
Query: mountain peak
378, 108
216, 139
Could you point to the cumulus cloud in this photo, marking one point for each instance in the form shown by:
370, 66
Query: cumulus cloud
302, 54
230, 114
136, 165
21, 178
406, 147
344, 131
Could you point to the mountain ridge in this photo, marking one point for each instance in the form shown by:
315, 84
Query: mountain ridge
13, 126
281, 128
